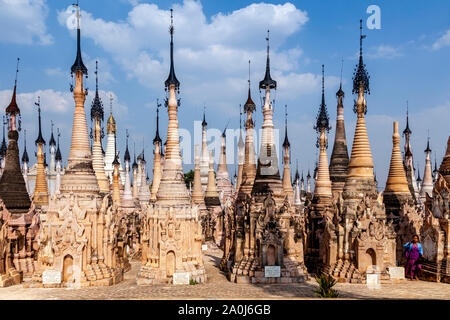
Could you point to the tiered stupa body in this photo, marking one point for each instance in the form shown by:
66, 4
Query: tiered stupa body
197, 197
397, 191
18, 218
127, 201
79, 241
266, 224
171, 237
339, 156
144, 189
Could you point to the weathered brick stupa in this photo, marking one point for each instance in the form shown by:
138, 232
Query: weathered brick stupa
267, 226
80, 244
322, 197
435, 233
97, 115
339, 156
171, 237
19, 221
359, 239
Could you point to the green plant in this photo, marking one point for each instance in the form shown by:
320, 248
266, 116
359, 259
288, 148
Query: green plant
189, 177
193, 282
326, 283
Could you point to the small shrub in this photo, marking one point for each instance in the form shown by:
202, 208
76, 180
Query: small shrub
326, 283
193, 282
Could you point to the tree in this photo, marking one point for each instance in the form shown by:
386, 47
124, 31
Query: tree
189, 178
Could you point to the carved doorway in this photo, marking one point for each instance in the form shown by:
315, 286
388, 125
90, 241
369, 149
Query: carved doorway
271, 256
68, 268
170, 263
371, 258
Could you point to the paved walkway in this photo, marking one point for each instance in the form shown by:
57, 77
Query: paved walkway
218, 287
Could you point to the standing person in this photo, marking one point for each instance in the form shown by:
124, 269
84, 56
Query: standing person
414, 253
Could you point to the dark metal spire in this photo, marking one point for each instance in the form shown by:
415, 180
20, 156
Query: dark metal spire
134, 166
297, 176
25, 158
204, 123
58, 156
360, 75
286, 143
322, 120
157, 137
97, 105
428, 145
407, 130
52, 138
39, 139
268, 82
340, 92
172, 79
418, 175
13, 108
126, 156
3, 147
78, 65
249, 106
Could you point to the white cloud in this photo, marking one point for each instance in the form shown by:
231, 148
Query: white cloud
211, 55
443, 41
23, 22
383, 52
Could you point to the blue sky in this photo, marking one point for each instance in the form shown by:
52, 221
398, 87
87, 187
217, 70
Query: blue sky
407, 59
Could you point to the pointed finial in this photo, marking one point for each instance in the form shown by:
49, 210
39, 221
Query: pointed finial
96, 75
40, 139
17, 71
360, 76
428, 142
204, 123
322, 121
78, 65
249, 63
172, 79
240, 116
157, 138
110, 103
268, 82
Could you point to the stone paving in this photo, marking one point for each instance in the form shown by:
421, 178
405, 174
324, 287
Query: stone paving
218, 287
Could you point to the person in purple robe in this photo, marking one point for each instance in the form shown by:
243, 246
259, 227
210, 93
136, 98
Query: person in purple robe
414, 254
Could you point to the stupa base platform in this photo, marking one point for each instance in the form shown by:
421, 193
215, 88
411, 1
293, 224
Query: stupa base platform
153, 275
248, 271
13, 277
96, 275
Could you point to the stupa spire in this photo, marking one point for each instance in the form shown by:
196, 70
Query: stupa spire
339, 156
361, 164
241, 151
197, 192
323, 183
79, 176
97, 115
287, 183
172, 79
156, 158
41, 190
444, 169
172, 188
427, 183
